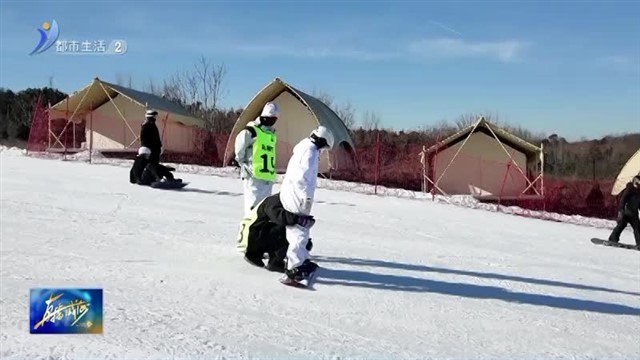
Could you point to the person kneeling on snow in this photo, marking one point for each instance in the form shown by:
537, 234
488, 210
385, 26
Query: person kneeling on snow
144, 172
263, 230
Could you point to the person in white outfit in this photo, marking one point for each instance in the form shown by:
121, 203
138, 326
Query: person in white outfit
297, 194
255, 148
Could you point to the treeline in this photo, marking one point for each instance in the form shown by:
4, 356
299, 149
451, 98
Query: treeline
16, 110
202, 87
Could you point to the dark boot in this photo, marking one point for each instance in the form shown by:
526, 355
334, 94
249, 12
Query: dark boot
254, 259
615, 234
276, 260
635, 225
301, 271
276, 265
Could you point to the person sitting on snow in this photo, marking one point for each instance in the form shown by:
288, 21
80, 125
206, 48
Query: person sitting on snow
145, 172
263, 230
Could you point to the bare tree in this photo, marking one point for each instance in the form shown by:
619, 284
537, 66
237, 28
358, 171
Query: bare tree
200, 89
370, 120
468, 119
151, 87
345, 111
323, 96
120, 79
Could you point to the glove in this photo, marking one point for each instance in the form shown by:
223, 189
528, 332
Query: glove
306, 221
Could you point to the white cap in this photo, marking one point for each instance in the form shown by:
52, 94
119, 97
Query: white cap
144, 151
270, 109
151, 113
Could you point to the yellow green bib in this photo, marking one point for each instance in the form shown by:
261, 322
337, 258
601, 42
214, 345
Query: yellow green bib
264, 155
245, 227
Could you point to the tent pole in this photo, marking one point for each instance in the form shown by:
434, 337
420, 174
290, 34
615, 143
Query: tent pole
459, 149
90, 132
119, 112
542, 192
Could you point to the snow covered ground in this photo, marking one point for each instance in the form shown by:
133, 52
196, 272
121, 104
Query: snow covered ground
402, 278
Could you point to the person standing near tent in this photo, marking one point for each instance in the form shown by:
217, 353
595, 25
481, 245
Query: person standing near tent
150, 136
628, 211
255, 148
297, 195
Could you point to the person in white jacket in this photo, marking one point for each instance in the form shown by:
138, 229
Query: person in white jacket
255, 148
297, 194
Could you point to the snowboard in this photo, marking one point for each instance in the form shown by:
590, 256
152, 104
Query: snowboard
303, 284
168, 185
613, 244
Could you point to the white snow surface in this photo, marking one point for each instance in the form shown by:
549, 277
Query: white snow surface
400, 278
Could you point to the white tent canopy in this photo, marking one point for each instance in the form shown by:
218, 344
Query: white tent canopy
114, 114
300, 113
629, 170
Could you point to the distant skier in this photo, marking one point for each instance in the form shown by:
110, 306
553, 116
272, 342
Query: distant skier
297, 195
144, 172
255, 148
150, 136
263, 231
628, 211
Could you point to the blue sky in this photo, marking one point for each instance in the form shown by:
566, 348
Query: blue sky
571, 68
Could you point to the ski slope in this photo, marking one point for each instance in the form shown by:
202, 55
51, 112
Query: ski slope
401, 278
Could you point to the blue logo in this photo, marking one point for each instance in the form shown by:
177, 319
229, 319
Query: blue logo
49, 33
65, 311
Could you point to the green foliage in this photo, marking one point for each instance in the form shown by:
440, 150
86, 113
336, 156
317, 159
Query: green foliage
16, 110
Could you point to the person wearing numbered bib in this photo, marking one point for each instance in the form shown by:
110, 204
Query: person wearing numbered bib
255, 148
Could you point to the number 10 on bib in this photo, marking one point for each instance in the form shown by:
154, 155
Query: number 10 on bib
264, 155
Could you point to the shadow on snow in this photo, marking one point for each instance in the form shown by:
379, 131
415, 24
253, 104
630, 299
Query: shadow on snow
364, 279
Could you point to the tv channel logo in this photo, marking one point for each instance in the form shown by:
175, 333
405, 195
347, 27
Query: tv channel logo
49, 33
65, 311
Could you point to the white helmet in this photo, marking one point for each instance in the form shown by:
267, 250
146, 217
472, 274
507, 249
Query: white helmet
322, 132
270, 109
151, 113
144, 151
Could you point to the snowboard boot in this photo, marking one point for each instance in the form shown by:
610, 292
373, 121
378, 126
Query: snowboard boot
254, 259
275, 265
276, 261
301, 271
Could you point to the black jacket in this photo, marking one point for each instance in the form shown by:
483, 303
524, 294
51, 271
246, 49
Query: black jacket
268, 232
139, 164
150, 137
630, 200
144, 172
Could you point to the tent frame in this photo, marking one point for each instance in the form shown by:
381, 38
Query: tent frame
70, 119
425, 159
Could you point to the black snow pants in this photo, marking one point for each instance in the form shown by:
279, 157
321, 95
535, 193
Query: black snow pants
623, 220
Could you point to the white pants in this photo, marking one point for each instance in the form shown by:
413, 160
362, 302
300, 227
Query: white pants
255, 190
298, 237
